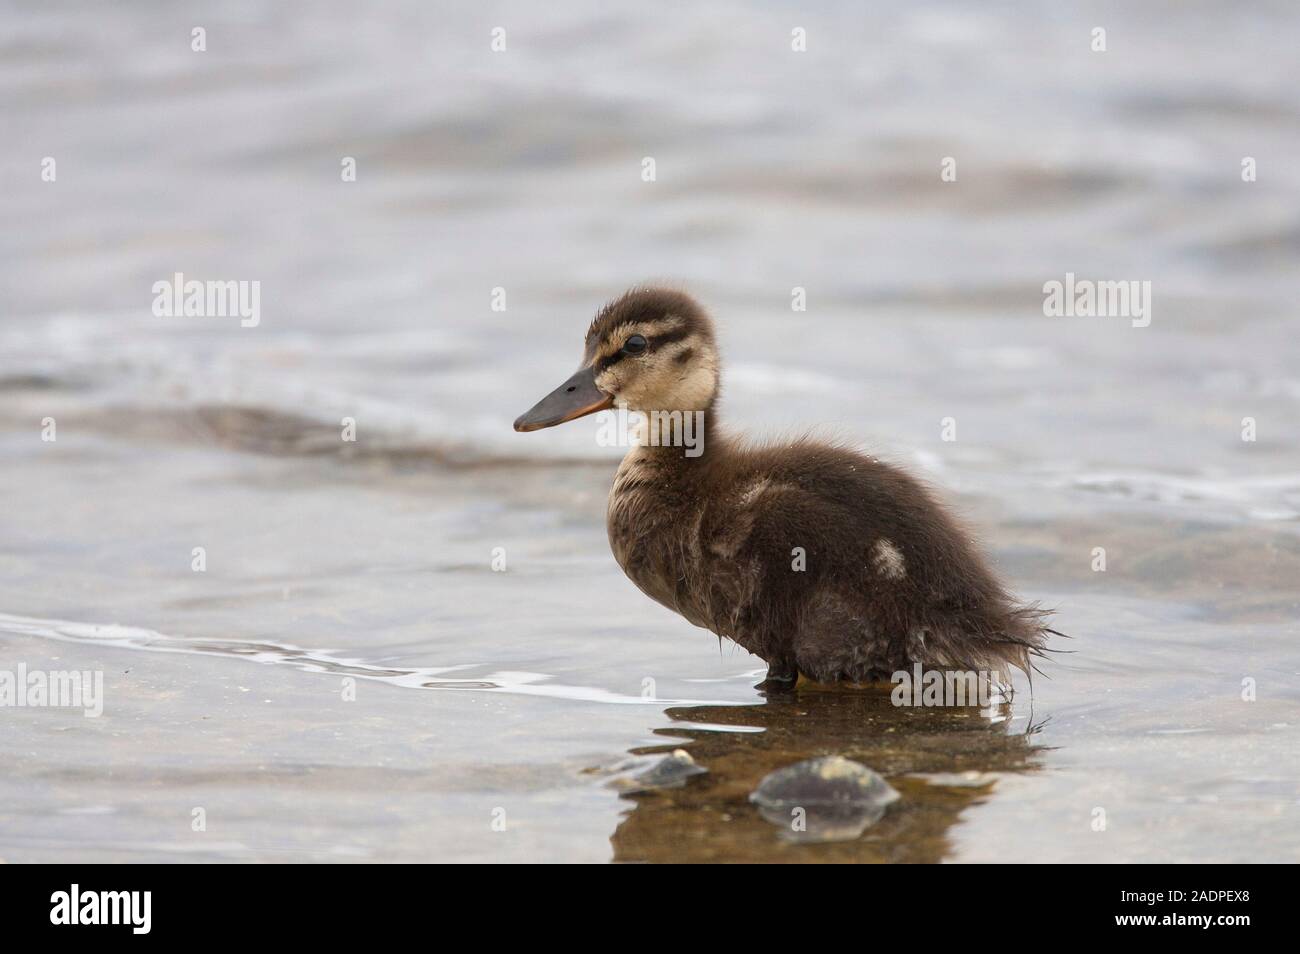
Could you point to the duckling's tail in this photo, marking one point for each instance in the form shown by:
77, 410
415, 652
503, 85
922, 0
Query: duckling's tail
1021, 640
994, 637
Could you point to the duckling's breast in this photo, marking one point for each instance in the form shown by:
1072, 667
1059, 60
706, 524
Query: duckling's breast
653, 521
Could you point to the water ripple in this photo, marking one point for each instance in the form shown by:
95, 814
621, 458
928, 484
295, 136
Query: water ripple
323, 661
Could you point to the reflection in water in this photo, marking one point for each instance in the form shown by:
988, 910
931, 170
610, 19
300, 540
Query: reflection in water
710, 818
835, 798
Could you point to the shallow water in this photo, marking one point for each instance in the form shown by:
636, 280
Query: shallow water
519, 696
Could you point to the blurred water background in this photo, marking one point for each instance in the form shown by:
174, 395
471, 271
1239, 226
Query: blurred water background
483, 695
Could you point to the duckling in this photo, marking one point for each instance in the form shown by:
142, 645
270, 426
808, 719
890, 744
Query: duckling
822, 561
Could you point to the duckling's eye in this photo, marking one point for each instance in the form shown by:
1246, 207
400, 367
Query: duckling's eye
634, 345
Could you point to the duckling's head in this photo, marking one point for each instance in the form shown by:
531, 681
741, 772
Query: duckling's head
650, 350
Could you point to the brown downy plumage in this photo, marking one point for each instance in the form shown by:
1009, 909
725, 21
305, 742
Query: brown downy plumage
887, 578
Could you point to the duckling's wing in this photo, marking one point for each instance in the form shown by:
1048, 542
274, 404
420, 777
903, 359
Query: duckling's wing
854, 567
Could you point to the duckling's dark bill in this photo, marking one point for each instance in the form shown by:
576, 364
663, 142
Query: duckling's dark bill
576, 397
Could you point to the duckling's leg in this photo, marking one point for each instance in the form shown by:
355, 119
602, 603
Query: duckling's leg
782, 673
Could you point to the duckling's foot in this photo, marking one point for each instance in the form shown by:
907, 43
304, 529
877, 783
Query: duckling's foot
781, 675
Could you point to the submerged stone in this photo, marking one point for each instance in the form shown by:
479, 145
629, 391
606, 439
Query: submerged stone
671, 771
823, 799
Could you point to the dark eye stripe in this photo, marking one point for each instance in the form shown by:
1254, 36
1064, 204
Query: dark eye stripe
609, 362
658, 341
668, 337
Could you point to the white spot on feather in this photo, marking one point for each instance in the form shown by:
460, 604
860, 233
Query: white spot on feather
752, 491
889, 561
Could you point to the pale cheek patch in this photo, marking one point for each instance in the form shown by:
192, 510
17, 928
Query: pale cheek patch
656, 382
609, 381
889, 561
694, 389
